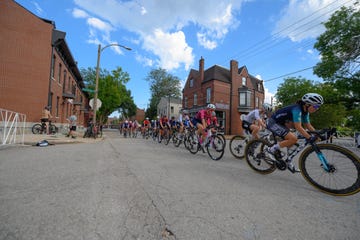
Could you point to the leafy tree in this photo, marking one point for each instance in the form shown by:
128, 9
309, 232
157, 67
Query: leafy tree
297, 87
162, 84
112, 91
339, 47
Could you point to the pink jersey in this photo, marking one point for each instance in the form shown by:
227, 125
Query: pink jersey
203, 114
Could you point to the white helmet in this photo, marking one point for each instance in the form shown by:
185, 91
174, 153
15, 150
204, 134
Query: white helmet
211, 106
267, 107
313, 99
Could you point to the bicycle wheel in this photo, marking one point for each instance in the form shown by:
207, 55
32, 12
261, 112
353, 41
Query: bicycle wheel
37, 129
215, 147
343, 177
167, 137
222, 137
193, 145
53, 129
256, 157
237, 146
176, 139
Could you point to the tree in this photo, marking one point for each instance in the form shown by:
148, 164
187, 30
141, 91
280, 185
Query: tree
339, 47
331, 114
112, 91
162, 84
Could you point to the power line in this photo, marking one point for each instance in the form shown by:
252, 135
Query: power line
288, 74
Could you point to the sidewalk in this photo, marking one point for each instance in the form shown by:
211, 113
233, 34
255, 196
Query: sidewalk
32, 139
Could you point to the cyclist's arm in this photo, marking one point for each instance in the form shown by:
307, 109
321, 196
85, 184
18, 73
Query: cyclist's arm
301, 130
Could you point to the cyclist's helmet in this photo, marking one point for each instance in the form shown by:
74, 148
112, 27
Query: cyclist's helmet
211, 106
313, 99
185, 111
267, 107
213, 114
147, 118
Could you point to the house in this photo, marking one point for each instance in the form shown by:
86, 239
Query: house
37, 68
169, 106
234, 92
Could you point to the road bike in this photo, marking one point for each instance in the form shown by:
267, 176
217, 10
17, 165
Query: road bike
40, 128
238, 143
330, 168
214, 145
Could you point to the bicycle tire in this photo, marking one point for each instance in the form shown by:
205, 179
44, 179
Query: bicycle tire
338, 158
256, 157
167, 137
193, 145
36, 129
215, 147
223, 138
53, 129
237, 146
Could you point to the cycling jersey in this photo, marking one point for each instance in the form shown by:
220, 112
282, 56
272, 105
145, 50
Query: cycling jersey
292, 113
252, 116
200, 115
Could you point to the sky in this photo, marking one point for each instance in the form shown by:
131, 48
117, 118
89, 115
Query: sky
273, 38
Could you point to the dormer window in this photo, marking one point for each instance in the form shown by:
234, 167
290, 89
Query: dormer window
191, 82
244, 81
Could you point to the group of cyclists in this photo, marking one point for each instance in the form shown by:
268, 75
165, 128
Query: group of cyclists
280, 123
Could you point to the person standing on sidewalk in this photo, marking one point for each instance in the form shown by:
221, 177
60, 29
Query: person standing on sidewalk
45, 117
72, 120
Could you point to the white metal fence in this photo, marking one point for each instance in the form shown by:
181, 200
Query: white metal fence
12, 127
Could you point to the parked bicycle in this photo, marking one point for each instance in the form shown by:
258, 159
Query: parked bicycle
40, 128
94, 131
330, 168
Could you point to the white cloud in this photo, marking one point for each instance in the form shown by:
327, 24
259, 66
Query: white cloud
78, 13
171, 48
161, 25
38, 8
302, 19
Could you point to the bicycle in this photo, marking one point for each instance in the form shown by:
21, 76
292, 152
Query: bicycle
214, 145
94, 131
40, 128
329, 168
238, 143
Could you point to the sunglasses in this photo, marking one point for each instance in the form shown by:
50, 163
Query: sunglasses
316, 107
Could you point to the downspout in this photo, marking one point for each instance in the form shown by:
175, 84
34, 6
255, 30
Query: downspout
231, 103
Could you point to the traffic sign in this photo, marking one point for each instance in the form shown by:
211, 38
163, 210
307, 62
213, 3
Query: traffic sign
88, 90
98, 103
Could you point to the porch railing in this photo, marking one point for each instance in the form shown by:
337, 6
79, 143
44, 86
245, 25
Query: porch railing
12, 127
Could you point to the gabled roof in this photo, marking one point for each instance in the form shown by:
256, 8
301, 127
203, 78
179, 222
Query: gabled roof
217, 73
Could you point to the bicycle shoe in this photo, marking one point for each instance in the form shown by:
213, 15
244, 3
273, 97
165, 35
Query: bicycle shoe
291, 167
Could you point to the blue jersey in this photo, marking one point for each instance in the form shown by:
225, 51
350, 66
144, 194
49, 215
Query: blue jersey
292, 113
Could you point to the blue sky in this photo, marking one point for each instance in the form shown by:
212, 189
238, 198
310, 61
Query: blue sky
272, 38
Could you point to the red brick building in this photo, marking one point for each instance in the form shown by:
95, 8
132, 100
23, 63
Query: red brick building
233, 92
37, 68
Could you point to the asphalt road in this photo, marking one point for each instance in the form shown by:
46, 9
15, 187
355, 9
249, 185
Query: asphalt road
138, 189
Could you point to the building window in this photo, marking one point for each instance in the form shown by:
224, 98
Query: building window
244, 81
245, 99
195, 99
57, 106
191, 82
59, 75
257, 102
208, 95
172, 109
186, 102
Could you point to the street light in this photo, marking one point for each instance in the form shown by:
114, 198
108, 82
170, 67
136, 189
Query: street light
97, 75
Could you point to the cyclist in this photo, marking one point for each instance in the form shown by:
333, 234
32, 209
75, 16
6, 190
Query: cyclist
253, 121
200, 121
145, 126
164, 123
184, 121
294, 116
45, 117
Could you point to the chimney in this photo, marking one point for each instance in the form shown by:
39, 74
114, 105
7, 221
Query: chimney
201, 69
234, 68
